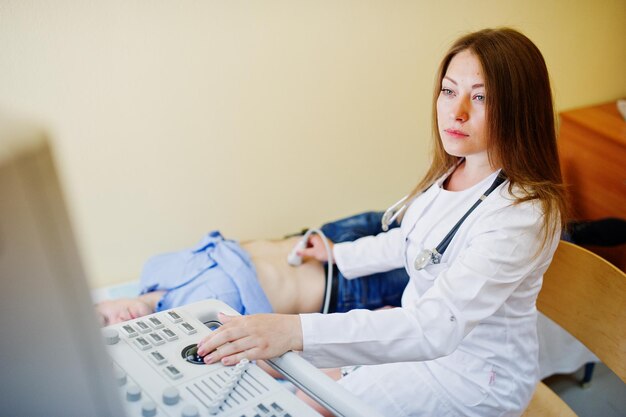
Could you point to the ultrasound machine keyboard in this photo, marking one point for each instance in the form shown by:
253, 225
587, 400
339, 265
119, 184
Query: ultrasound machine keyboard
157, 376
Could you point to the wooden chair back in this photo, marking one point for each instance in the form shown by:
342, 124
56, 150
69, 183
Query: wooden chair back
586, 295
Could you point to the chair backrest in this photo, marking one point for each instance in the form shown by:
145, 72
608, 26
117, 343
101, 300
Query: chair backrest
586, 295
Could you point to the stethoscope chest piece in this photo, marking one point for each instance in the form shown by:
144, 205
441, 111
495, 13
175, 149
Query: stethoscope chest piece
423, 258
427, 256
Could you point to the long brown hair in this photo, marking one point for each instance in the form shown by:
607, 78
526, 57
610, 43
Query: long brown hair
520, 121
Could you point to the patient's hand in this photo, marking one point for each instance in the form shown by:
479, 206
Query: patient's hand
123, 309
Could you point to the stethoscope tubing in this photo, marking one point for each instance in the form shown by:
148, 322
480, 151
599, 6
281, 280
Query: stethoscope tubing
433, 256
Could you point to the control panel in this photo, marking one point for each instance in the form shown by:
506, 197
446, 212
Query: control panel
159, 373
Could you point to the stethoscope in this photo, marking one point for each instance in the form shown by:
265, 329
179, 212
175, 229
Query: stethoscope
433, 256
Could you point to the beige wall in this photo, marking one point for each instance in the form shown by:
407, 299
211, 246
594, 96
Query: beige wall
257, 117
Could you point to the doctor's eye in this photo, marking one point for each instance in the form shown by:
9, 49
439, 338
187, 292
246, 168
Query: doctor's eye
480, 98
446, 91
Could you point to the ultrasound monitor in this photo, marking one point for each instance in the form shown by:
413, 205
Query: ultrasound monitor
52, 360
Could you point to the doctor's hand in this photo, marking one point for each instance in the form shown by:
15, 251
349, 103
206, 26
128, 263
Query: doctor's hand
259, 336
316, 249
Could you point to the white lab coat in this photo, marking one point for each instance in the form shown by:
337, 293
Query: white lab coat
467, 326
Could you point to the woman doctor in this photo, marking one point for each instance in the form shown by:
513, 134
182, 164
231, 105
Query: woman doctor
464, 342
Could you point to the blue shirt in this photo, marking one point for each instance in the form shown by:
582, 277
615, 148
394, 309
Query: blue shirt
216, 268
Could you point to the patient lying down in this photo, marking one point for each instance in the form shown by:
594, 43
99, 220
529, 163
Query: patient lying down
254, 277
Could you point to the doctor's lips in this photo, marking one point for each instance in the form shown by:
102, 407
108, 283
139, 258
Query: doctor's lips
456, 133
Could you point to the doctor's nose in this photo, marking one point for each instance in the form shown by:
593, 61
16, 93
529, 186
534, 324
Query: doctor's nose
459, 111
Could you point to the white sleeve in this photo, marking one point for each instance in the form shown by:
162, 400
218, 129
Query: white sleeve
371, 254
495, 260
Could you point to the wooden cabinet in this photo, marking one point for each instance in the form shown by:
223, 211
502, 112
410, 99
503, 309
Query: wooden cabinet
592, 146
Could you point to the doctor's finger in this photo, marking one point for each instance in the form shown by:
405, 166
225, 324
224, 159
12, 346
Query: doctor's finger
321, 247
219, 338
227, 352
250, 354
316, 249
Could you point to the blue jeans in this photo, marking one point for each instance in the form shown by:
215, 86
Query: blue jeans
371, 291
